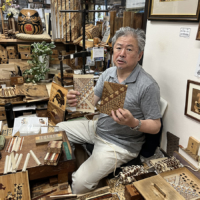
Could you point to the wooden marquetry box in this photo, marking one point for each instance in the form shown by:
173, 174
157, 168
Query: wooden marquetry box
24, 48
26, 56
17, 80
51, 158
54, 146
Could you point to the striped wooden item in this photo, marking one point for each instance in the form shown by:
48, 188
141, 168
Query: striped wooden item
66, 27
56, 17
60, 18
113, 97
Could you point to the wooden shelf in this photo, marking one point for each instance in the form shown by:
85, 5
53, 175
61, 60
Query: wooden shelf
21, 41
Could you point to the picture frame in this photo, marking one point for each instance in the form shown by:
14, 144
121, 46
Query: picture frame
192, 102
174, 10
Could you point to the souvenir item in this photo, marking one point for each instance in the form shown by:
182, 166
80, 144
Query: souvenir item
113, 97
84, 84
29, 22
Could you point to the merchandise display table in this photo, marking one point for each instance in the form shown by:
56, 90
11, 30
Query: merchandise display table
64, 168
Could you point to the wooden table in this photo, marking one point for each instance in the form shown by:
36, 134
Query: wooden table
62, 170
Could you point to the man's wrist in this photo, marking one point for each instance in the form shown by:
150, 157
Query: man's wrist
136, 128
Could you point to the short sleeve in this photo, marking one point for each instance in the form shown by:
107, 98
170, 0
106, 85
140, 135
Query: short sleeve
150, 102
99, 85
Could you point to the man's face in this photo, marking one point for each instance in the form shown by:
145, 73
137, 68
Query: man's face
125, 52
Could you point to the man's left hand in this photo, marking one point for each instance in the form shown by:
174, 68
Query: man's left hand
124, 117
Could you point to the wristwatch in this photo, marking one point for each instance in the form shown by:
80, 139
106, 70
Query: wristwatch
137, 127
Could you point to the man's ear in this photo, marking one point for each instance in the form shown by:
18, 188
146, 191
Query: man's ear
140, 55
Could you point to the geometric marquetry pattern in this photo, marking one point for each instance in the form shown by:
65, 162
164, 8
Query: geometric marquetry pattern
84, 84
184, 185
113, 97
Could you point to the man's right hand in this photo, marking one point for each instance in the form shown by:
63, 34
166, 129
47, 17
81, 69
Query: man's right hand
71, 98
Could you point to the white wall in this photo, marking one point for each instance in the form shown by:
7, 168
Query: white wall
172, 60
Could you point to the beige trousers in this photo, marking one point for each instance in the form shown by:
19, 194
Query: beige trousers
104, 159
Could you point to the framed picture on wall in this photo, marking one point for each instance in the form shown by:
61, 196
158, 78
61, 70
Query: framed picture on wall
180, 10
192, 102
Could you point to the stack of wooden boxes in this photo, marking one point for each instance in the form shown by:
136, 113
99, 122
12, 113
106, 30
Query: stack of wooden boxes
3, 55
12, 52
25, 51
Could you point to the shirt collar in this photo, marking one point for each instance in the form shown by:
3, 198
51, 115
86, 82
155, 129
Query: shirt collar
132, 77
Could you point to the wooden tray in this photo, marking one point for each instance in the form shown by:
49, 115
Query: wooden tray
157, 188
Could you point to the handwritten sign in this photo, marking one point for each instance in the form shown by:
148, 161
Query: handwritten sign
185, 32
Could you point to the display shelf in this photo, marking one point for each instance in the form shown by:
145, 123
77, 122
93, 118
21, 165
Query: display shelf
21, 41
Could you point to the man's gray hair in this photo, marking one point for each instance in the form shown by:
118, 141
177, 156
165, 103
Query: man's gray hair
138, 34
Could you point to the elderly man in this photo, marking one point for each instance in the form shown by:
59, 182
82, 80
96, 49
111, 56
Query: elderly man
117, 138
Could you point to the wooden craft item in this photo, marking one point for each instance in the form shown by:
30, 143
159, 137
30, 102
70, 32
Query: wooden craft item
26, 162
54, 113
66, 196
15, 186
26, 56
143, 176
35, 158
131, 193
32, 90
129, 173
2, 115
29, 22
18, 161
172, 143
184, 182
116, 188
6, 165
100, 196
137, 19
2, 21
2, 142
118, 23
65, 166
84, 84
193, 145
13, 161
127, 20
68, 150
113, 97
9, 165
51, 158
96, 192
58, 96
185, 162
163, 165
112, 22
156, 188
54, 146
48, 138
